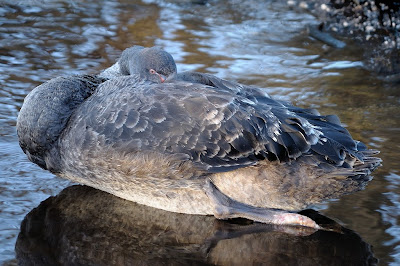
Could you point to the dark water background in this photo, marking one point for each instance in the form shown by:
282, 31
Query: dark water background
262, 43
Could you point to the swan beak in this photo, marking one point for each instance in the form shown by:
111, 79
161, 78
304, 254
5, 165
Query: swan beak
162, 78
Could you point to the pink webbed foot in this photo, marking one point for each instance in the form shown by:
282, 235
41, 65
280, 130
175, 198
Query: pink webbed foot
227, 208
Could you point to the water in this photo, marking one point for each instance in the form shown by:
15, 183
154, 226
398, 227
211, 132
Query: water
262, 43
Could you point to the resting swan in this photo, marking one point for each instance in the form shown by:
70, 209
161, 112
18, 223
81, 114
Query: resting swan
190, 142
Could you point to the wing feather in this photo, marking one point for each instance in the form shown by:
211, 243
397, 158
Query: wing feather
220, 125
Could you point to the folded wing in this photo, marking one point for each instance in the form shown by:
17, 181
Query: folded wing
214, 123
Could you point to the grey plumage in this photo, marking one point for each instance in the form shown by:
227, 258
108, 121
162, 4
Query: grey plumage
155, 142
48, 109
138, 60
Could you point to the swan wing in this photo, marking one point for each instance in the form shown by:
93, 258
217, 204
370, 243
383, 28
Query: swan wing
217, 128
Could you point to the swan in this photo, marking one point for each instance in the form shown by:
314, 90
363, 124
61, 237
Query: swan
190, 142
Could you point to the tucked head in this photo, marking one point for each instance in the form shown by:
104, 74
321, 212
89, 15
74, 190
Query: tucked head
152, 64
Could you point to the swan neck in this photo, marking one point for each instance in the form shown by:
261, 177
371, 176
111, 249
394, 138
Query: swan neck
45, 114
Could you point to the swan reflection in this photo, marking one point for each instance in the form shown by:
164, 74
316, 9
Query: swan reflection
85, 226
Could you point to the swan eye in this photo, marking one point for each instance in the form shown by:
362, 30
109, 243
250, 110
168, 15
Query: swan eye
152, 71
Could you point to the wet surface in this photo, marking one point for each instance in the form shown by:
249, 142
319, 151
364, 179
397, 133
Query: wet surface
84, 226
262, 43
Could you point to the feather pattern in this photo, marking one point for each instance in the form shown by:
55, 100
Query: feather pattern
145, 133
220, 127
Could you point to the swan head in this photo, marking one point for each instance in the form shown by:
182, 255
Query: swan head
152, 64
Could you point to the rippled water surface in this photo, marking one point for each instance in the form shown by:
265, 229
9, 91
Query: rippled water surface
263, 43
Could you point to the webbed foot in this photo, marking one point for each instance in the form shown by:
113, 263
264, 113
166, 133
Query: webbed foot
227, 208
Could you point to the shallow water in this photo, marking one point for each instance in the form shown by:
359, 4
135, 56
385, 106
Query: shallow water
261, 43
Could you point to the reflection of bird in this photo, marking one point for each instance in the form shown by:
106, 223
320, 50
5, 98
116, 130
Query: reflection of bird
190, 142
119, 232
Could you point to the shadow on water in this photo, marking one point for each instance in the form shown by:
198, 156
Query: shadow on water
85, 226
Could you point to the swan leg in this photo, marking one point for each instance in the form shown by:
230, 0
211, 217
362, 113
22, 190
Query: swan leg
226, 208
